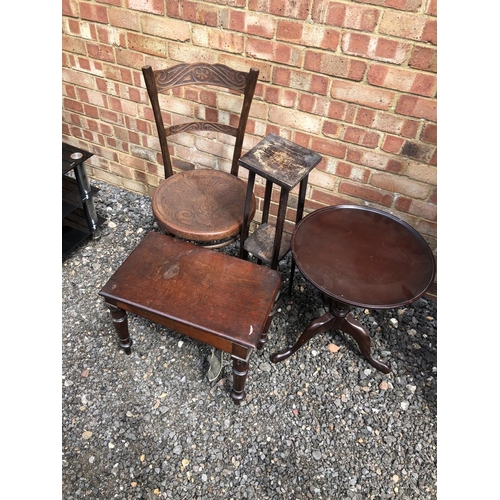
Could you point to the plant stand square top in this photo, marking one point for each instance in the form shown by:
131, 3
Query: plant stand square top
286, 164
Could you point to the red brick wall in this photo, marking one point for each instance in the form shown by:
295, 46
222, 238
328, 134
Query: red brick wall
353, 80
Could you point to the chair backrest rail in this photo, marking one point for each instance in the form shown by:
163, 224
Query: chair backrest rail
161, 81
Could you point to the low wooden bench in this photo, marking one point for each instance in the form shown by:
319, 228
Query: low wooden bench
205, 294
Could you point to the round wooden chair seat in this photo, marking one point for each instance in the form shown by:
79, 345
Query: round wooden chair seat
201, 205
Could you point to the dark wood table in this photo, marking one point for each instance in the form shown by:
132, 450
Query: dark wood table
359, 257
207, 295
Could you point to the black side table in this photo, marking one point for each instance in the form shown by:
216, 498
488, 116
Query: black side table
79, 218
286, 164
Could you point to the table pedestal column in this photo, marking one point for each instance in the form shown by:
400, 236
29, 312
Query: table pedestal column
337, 318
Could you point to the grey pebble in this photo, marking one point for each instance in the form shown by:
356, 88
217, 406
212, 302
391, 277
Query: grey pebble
177, 435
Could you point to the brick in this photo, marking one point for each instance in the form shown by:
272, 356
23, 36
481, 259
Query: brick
110, 2
429, 33
319, 84
252, 24
138, 125
301, 138
328, 147
357, 17
93, 12
90, 111
70, 27
287, 54
123, 18
131, 59
402, 79
375, 48
118, 73
321, 179
92, 97
281, 76
101, 51
407, 5
73, 118
165, 27
70, 8
392, 144
136, 187
423, 58
174, 8
295, 119
199, 13
186, 53
417, 107
229, 3
410, 129
387, 122
362, 94
325, 197
310, 35
311, 104
360, 136
429, 133
428, 230
88, 65
365, 193
261, 49
72, 105
152, 6
75, 45
433, 159
409, 149
403, 25
433, 196
218, 39
283, 8
147, 44
400, 184
342, 111
111, 36
69, 91
331, 129
422, 172
77, 78
334, 65
281, 97
373, 159
416, 207
431, 8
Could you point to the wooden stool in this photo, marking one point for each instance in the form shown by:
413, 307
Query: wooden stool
207, 295
286, 164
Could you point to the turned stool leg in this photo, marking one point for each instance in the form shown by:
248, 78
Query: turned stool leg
240, 372
121, 325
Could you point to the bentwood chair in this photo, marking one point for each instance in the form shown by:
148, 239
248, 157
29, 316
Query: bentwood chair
202, 204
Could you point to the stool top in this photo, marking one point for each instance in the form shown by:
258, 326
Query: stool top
207, 289
363, 257
201, 205
280, 161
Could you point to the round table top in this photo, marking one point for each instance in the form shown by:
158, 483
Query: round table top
363, 257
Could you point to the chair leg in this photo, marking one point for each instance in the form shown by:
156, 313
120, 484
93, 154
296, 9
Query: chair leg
292, 272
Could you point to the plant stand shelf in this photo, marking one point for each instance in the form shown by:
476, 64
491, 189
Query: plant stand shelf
79, 218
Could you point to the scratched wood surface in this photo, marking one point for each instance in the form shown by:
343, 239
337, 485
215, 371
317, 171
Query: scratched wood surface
280, 161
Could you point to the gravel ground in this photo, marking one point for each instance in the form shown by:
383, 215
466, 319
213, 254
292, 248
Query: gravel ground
323, 424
